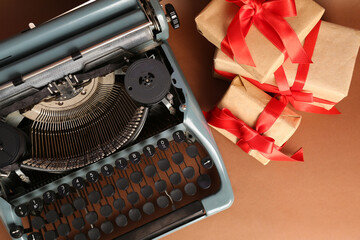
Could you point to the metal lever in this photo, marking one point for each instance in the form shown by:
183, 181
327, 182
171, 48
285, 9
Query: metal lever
171, 16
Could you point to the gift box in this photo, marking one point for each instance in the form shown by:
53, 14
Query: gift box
248, 104
213, 23
329, 75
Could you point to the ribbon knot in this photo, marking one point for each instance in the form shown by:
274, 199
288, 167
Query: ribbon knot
268, 16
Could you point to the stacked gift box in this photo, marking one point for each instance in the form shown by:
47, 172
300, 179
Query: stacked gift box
275, 53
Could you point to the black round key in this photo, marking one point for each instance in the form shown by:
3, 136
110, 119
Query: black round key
150, 171
78, 223
162, 202
136, 177
106, 210
78, 183
38, 223
164, 164
51, 216
192, 151
146, 191
207, 162
67, 209
80, 236
108, 190
179, 136
135, 157
107, 170
176, 195
160, 186
64, 190
22, 210
163, 144
133, 197
122, 183
63, 229
121, 220
149, 150
49, 197
94, 197
189, 172
51, 235
92, 176
35, 236
35, 206
135, 214
178, 158
16, 231
79, 203
204, 181
149, 208
190, 189
119, 204
94, 234
107, 227
175, 178
121, 163
91, 217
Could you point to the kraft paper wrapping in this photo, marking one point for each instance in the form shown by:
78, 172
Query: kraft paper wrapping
247, 102
215, 18
330, 73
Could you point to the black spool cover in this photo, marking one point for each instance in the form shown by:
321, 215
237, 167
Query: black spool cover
12, 145
147, 81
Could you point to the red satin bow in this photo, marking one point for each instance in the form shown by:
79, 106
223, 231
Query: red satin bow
268, 16
250, 139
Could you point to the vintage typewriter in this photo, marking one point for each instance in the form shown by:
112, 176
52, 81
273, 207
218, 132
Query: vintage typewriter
100, 135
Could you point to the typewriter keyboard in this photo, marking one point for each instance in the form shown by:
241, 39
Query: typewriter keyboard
119, 197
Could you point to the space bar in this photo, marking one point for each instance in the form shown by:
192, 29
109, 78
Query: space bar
166, 223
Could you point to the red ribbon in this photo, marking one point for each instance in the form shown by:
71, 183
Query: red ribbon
295, 95
268, 16
250, 139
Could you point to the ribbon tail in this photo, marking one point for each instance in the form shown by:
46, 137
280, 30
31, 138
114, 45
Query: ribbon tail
276, 155
306, 107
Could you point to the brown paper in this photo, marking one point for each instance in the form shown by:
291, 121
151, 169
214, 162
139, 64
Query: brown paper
214, 20
247, 102
333, 64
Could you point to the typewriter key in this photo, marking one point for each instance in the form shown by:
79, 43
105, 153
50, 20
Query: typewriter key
190, 189
108, 190
135, 214
121, 163
160, 186
94, 197
64, 190
147, 81
78, 183
149, 208
22, 210
35, 236
51, 235
119, 204
146, 191
133, 197
49, 197
51, 216
135, 157
91, 217
79, 203
80, 236
163, 144
63, 229
164, 164
178, 158
94, 234
136, 177
16, 231
162, 201
192, 151
207, 162
149, 150
122, 183
121, 220
107, 170
35, 206
38, 222
107, 227
204, 181
189, 172
176, 195
78, 223
92, 176
150, 171
67, 209
175, 178
179, 136
106, 210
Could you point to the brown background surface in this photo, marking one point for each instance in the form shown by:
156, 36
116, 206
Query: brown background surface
317, 199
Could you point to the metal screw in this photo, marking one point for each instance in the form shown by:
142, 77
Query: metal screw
83, 92
60, 103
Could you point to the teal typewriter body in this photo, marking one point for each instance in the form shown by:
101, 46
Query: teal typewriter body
100, 134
